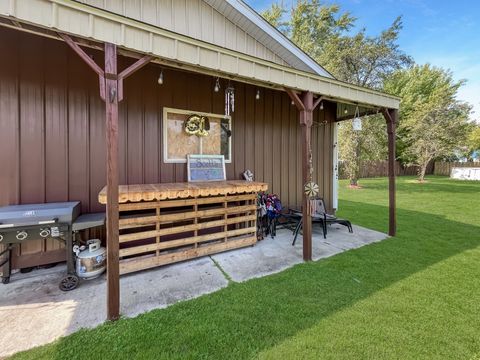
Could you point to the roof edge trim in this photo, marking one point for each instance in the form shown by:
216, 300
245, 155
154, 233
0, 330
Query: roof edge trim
268, 28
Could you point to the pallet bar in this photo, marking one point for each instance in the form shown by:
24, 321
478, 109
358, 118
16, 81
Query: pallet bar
161, 229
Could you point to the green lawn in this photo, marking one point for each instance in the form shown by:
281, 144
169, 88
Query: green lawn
414, 296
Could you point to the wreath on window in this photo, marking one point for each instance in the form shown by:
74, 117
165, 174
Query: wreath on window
197, 125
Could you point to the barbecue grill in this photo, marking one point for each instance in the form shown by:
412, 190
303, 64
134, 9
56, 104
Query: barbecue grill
22, 223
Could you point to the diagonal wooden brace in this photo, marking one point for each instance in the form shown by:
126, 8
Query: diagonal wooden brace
101, 74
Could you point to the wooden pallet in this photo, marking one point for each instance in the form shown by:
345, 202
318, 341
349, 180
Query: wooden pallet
154, 233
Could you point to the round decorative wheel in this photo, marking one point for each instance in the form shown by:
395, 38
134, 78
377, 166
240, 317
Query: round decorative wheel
311, 189
69, 282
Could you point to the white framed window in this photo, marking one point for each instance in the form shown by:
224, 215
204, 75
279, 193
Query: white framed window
177, 143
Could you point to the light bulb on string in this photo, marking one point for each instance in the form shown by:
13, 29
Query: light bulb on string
217, 85
160, 78
257, 96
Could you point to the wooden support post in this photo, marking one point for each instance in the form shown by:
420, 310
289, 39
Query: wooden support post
306, 105
391, 117
306, 120
111, 91
111, 106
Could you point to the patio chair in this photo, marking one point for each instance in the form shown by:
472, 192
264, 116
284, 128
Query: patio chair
320, 216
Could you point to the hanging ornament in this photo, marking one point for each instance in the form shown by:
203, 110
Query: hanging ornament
229, 100
311, 189
357, 121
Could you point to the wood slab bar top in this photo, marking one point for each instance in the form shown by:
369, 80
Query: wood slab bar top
151, 192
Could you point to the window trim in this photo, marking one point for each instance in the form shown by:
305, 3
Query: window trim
190, 112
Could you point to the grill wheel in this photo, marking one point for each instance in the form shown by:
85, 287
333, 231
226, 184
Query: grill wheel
69, 282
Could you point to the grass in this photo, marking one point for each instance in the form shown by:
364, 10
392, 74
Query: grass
414, 296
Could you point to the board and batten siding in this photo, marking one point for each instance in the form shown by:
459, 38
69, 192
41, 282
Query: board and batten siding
52, 129
204, 23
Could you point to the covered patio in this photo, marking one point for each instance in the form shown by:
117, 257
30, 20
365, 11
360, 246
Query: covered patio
100, 96
32, 300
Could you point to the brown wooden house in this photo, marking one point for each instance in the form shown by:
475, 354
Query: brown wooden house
64, 93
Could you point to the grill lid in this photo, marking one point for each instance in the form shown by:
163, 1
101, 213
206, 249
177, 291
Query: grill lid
39, 214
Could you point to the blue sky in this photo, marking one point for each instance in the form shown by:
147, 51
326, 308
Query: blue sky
443, 33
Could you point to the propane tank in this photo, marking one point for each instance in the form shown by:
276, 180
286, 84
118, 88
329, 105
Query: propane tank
90, 262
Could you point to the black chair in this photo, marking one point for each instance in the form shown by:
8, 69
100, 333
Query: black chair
320, 216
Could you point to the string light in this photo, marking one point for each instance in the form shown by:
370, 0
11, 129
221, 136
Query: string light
346, 111
160, 78
217, 85
321, 105
257, 96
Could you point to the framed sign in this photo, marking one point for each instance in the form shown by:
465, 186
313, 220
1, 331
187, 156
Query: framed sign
206, 167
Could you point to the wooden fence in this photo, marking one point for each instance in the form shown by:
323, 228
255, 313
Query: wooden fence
370, 169
379, 168
444, 168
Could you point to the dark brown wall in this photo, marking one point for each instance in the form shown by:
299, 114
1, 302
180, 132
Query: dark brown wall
52, 130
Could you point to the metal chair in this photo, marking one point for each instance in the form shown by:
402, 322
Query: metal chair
320, 216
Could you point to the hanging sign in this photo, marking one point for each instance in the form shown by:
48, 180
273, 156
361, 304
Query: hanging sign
206, 167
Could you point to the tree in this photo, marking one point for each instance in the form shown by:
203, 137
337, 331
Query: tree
365, 60
367, 145
433, 123
310, 24
274, 16
474, 140
323, 32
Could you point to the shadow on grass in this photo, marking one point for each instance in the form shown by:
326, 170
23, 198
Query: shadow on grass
244, 319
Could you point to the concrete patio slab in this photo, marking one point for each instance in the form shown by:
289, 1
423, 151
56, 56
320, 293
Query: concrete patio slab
270, 256
36, 312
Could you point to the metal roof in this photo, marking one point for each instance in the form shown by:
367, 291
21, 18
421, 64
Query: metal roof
177, 50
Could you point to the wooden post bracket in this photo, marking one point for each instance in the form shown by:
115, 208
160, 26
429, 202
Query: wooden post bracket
101, 74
